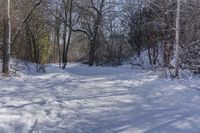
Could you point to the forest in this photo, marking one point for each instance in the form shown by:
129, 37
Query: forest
101, 32
99, 66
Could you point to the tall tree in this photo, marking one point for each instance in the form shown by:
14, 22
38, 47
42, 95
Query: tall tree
67, 24
7, 40
90, 19
177, 53
7, 34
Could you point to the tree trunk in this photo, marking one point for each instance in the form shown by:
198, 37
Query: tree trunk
93, 42
149, 54
7, 42
64, 43
67, 48
177, 40
92, 53
57, 36
69, 35
154, 55
59, 49
167, 54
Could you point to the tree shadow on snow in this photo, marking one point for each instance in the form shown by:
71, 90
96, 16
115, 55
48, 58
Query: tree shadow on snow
120, 104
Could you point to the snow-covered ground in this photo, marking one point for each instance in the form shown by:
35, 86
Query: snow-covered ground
85, 99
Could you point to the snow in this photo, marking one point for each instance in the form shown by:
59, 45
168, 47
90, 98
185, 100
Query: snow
84, 99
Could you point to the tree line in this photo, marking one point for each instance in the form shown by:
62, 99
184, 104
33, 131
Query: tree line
100, 32
169, 31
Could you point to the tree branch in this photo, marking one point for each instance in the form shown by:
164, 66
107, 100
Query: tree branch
25, 19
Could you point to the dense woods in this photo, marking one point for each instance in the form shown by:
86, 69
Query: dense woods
165, 33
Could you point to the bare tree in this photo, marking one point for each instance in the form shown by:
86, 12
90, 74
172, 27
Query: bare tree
177, 40
7, 40
7, 35
90, 19
67, 25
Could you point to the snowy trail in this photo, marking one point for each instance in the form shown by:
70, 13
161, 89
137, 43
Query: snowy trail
98, 100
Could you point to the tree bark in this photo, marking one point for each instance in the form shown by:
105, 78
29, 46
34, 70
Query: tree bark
92, 53
64, 43
177, 54
69, 35
58, 44
7, 41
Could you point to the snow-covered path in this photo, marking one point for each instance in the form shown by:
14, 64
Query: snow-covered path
98, 100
